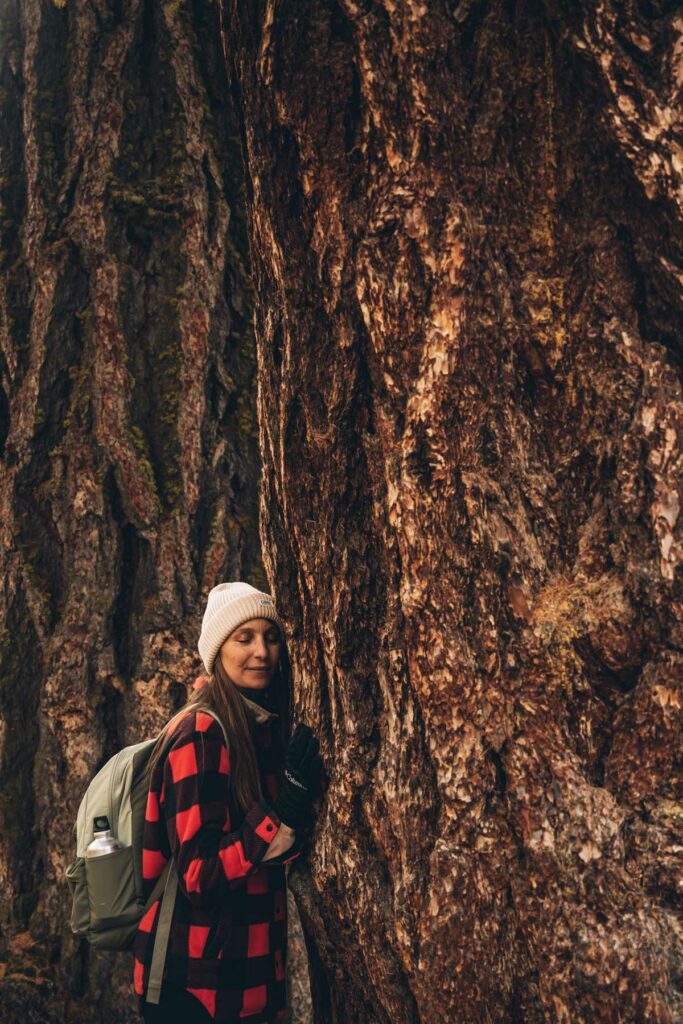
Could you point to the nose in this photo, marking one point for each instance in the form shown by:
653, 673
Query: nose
261, 653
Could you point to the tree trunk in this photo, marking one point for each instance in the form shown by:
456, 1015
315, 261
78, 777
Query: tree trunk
466, 248
128, 431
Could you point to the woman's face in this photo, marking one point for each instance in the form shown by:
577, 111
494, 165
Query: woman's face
250, 653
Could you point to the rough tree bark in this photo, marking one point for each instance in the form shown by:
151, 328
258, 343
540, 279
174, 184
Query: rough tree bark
128, 436
465, 223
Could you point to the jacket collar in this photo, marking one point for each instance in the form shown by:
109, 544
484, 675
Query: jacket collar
260, 715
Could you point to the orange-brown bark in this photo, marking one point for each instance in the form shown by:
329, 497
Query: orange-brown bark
466, 247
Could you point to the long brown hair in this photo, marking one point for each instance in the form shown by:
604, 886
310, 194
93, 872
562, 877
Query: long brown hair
220, 694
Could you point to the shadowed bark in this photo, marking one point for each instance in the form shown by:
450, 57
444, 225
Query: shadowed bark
466, 249
127, 431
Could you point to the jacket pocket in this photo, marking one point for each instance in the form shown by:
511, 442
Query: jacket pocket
214, 940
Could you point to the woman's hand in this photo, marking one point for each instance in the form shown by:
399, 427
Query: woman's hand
284, 838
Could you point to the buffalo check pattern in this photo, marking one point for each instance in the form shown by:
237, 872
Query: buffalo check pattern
228, 941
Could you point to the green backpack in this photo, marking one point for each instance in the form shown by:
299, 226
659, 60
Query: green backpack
106, 891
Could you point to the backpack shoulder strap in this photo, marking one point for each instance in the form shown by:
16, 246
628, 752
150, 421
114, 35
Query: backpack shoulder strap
159, 885
208, 711
156, 968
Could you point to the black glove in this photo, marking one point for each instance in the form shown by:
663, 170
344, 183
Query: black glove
298, 783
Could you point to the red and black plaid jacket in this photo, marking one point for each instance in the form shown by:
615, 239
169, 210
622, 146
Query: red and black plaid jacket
228, 940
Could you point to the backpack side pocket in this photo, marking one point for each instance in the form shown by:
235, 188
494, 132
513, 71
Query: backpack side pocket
111, 889
80, 907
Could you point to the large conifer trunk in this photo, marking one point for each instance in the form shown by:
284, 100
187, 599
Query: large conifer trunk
129, 448
465, 230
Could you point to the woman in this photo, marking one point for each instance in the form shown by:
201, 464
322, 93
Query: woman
231, 818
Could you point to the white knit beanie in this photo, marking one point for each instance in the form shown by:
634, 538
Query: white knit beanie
228, 606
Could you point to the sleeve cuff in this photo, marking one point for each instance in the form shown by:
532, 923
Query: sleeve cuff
263, 821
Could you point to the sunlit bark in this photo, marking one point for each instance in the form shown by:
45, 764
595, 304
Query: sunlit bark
465, 230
